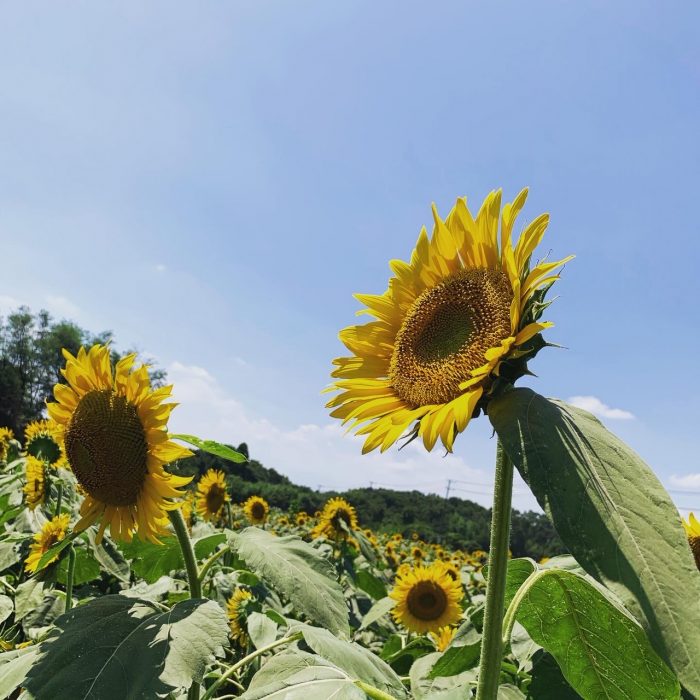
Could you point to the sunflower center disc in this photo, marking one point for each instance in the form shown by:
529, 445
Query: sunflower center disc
427, 601
107, 449
258, 511
216, 497
445, 334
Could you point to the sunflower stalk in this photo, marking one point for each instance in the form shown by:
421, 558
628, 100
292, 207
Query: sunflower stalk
183, 538
70, 577
59, 498
492, 642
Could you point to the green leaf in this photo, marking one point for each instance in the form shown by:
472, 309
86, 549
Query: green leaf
370, 584
462, 654
110, 558
14, 666
52, 552
601, 651
29, 596
296, 675
212, 447
205, 546
359, 663
612, 514
115, 643
151, 561
548, 683
402, 658
377, 611
9, 555
297, 571
444, 688
6, 607
86, 568
261, 629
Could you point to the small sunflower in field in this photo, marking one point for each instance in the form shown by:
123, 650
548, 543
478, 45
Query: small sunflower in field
460, 316
115, 431
443, 637
417, 553
692, 530
44, 439
34, 482
212, 495
453, 571
302, 518
256, 509
53, 532
337, 517
427, 598
237, 611
6, 435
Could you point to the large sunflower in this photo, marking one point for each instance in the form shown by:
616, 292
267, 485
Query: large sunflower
5, 436
116, 439
256, 510
44, 439
336, 518
427, 598
212, 495
34, 482
53, 531
461, 314
692, 530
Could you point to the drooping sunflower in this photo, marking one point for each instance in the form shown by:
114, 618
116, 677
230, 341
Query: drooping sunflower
457, 322
443, 637
5, 436
53, 532
34, 482
453, 570
116, 440
236, 610
335, 512
427, 598
692, 530
44, 439
212, 495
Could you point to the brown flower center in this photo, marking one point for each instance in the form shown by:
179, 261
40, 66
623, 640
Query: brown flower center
426, 600
257, 510
695, 546
216, 497
107, 449
446, 333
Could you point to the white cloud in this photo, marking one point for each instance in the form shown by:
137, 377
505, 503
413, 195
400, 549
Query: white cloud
686, 481
62, 307
160, 267
321, 455
598, 408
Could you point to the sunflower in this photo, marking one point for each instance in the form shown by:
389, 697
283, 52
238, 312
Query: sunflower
212, 495
417, 553
453, 571
44, 439
6, 435
337, 517
443, 637
116, 440
35, 482
256, 510
53, 531
692, 530
427, 598
236, 609
460, 316
302, 518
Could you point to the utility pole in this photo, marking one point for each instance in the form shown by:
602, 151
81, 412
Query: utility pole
447, 492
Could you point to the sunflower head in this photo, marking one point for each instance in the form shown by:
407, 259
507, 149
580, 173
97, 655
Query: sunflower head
116, 440
443, 637
456, 326
417, 553
237, 610
34, 482
336, 520
53, 532
6, 436
44, 439
302, 518
427, 598
692, 530
212, 495
256, 509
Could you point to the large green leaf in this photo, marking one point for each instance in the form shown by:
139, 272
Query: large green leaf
212, 447
601, 651
377, 611
110, 557
296, 675
457, 687
14, 666
613, 515
9, 555
296, 570
116, 647
151, 561
359, 663
7, 607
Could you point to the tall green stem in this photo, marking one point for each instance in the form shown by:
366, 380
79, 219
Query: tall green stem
59, 497
491, 642
187, 552
70, 577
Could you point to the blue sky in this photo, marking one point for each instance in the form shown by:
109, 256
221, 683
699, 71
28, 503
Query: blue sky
213, 182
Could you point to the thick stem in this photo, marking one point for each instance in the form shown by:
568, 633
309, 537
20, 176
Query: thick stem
187, 552
491, 642
373, 692
70, 577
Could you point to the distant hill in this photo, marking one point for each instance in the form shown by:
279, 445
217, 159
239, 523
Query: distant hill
454, 522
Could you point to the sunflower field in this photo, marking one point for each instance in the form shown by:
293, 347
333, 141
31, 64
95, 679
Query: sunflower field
122, 578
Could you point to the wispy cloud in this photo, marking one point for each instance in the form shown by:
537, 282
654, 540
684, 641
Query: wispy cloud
598, 408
